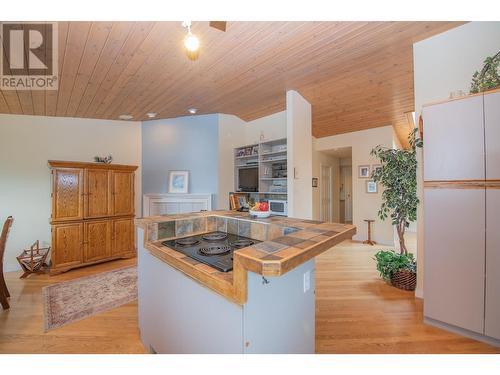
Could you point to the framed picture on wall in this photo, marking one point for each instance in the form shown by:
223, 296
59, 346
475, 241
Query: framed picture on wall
178, 182
314, 182
371, 187
376, 167
364, 171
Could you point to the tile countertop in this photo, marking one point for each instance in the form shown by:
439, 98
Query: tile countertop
287, 243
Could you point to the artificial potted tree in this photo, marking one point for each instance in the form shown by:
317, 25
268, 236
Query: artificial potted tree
489, 77
398, 175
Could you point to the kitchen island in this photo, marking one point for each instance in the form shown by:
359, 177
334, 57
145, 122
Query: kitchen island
264, 304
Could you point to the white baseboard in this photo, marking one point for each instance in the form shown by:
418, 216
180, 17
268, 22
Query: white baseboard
11, 267
419, 293
462, 332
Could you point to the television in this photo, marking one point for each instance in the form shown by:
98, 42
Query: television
248, 179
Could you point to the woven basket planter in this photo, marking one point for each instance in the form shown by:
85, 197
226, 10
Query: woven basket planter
404, 279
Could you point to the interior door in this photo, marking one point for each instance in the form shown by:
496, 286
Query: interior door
67, 244
347, 184
325, 186
67, 194
97, 193
455, 257
97, 240
123, 192
123, 236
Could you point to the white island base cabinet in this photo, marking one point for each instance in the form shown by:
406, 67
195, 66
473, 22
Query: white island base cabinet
178, 315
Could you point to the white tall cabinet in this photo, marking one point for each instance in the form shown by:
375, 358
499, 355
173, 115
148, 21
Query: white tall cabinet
462, 215
492, 143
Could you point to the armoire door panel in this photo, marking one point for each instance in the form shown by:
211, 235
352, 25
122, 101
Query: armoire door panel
97, 240
123, 236
492, 305
454, 262
454, 140
492, 135
98, 193
123, 192
67, 194
67, 244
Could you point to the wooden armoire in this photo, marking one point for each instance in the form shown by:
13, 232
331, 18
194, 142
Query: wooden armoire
93, 209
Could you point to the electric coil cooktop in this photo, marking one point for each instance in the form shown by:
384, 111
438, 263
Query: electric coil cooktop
214, 249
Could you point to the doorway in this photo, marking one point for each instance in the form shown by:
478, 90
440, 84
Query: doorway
346, 191
335, 185
326, 201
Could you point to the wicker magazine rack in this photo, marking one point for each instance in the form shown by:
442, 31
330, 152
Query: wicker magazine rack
32, 260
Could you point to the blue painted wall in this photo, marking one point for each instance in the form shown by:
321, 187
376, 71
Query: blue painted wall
183, 143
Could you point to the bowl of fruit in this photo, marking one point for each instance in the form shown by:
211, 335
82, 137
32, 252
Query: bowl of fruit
260, 209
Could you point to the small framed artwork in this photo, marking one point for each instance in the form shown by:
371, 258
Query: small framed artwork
178, 182
376, 167
371, 187
315, 182
364, 171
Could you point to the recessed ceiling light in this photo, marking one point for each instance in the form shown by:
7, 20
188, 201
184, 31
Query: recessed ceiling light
151, 114
125, 117
192, 110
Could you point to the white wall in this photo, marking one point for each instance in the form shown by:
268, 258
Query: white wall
299, 156
446, 62
271, 127
364, 205
27, 142
233, 133
443, 64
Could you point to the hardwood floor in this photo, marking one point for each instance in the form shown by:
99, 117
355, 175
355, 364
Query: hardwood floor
21, 327
356, 313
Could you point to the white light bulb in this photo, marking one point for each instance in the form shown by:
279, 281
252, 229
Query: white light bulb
191, 43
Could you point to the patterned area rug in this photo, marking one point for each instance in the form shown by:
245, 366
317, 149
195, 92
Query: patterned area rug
78, 299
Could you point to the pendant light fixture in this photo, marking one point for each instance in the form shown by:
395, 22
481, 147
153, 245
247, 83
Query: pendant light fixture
191, 42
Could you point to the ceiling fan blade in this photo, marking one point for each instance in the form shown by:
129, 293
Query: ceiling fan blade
219, 25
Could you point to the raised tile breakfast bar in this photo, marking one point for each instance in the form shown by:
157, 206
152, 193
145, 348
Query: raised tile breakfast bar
225, 282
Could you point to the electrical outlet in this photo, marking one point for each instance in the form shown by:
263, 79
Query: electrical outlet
307, 281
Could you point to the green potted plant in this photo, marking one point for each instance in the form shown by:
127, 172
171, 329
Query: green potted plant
398, 175
489, 77
398, 269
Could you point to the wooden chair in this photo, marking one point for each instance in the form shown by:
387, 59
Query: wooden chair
4, 292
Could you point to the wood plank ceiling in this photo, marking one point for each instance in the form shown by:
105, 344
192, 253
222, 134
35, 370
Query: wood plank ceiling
356, 75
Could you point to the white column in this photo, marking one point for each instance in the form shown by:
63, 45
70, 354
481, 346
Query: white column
299, 144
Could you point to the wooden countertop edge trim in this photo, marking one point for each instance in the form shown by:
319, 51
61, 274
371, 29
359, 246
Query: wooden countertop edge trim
463, 184
90, 165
